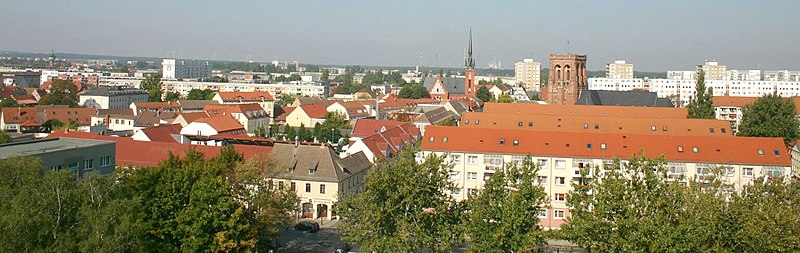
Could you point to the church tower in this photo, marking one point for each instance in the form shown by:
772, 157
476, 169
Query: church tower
567, 79
469, 73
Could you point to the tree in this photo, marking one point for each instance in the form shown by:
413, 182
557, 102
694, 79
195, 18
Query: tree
483, 94
701, 106
447, 122
770, 116
502, 215
197, 94
330, 129
285, 99
152, 84
62, 92
414, 91
326, 75
53, 125
4, 138
8, 102
505, 98
404, 207
172, 96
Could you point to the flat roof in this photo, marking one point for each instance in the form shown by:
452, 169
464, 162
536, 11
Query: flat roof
37, 147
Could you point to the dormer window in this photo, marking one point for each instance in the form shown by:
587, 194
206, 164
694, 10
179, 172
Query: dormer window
588, 146
502, 141
519, 123
585, 125
680, 149
760, 152
777, 152
477, 121
444, 139
516, 142
466, 122
432, 138
603, 146
711, 130
695, 150
653, 128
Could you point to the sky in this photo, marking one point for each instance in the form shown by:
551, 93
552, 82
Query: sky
653, 35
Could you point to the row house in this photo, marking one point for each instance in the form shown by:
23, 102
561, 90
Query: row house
262, 98
475, 155
385, 143
587, 110
251, 116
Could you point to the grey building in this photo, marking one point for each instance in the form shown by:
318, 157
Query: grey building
623, 98
79, 156
111, 97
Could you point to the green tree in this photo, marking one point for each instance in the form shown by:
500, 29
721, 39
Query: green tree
447, 122
762, 211
502, 215
4, 138
483, 94
414, 91
285, 99
770, 116
701, 105
326, 75
330, 129
404, 207
62, 92
505, 98
172, 96
53, 125
152, 84
197, 94
8, 102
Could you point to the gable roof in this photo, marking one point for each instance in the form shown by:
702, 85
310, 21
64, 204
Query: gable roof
238, 96
391, 141
435, 116
250, 111
192, 105
623, 98
588, 124
299, 162
724, 150
149, 118
454, 85
221, 123
315, 111
367, 127
354, 109
586, 110
311, 100
16, 115
162, 133
286, 111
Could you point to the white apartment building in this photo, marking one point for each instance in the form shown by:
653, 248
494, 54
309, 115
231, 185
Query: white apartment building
108, 97
617, 84
782, 75
49, 74
744, 75
619, 69
713, 70
528, 74
682, 75
476, 154
185, 69
299, 88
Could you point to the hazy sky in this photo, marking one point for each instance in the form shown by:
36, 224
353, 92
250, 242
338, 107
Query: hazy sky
654, 35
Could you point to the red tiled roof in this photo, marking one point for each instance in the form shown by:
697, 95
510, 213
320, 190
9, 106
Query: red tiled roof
190, 117
742, 101
250, 111
314, 111
587, 110
354, 109
392, 140
255, 96
656, 126
30, 124
64, 114
15, 115
162, 133
286, 111
221, 123
140, 105
367, 127
148, 154
724, 150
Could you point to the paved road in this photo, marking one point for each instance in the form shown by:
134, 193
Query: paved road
325, 240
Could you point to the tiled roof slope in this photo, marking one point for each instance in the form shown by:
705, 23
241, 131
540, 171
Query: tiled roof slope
724, 150
657, 126
587, 110
256, 96
299, 162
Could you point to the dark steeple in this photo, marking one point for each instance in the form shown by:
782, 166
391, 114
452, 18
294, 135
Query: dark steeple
469, 62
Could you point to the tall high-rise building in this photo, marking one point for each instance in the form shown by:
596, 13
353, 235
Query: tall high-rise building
713, 70
528, 74
469, 72
566, 80
619, 69
185, 69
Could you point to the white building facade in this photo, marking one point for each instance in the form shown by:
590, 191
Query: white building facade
528, 74
619, 69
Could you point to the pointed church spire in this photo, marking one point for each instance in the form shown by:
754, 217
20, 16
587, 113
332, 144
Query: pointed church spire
469, 62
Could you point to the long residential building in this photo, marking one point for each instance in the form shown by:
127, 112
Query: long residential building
476, 154
111, 97
298, 88
586, 110
592, 124
731, 108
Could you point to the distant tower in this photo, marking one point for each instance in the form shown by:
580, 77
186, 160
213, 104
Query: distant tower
51, 59
469, 73
566, 80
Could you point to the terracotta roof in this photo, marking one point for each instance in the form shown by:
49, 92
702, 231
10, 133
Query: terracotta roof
149, 118
221, 123
315, 111
367, 127
251, 111
657, 126
148, 154
587, 110
140, 105
30, 124
310, 100
256, 96
15, 115
391, 141
742, 101
162, 133
64, 114
286, 111
725, 150
190, 117
354, 109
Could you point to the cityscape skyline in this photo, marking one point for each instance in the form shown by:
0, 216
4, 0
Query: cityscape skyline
413, 33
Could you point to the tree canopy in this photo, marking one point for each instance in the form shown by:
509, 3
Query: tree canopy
414, 91
152, 84
8, 102
197, 94
172, 96
701, 105
62, 92
771, 116
483, 94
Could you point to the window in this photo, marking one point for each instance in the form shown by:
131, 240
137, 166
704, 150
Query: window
560, 197
542, 179
585, 125
293, 186
280, 185
773, 172
711, 130
455, 159
88, 164
456, 191
473, 159
723, 130
72, 166
502, 141
444, 139
680, 149
760, 152
729, 171
603, 146
432, 138
559, 214
519, 123
472, 175
308, 187
530, 124
703, 170
561, 164
543, 163
455, 175
561, 181
777, 152
105, 161
747, 172
516, 142
588, 146
695, 150
322, 188
596, 126
542, 213
312, 170
477, 121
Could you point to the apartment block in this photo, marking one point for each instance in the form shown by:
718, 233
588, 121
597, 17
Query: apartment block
619, 69
527, 73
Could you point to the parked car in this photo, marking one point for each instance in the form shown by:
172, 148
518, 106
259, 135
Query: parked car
309, 226
342, 247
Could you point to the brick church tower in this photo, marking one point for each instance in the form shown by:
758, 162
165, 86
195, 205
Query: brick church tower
566, 80
469, 73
